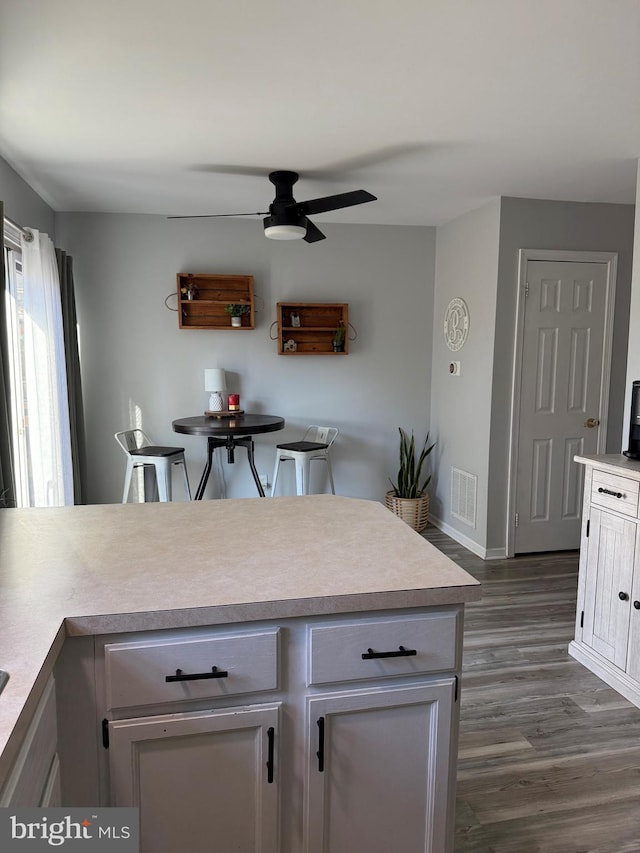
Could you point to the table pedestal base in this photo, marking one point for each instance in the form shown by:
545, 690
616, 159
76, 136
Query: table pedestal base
230, 442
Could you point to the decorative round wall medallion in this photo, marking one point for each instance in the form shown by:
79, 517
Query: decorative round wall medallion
456, 324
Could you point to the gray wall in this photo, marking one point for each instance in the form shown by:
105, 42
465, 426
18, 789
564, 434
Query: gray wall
633, 354
535, 224
138, 367
23, 205
476, 259
466, 267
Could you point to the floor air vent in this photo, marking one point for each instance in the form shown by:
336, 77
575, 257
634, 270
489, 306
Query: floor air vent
464, 487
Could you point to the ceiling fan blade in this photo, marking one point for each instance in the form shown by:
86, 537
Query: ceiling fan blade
313, 233
217, 215
331, 202
230, 169
338, 169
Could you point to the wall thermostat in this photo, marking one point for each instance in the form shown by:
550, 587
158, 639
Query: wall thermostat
454, 368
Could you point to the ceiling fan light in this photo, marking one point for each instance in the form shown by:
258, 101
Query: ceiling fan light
285, 232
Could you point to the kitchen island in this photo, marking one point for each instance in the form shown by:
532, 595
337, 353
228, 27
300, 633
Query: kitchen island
286, 576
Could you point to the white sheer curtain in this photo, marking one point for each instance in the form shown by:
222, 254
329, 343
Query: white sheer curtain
45, 380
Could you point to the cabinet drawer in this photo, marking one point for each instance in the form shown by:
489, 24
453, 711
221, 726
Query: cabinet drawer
391, 647
136, 673
614, 492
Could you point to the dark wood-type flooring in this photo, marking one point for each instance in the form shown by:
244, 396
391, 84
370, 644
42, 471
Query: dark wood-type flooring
549, 756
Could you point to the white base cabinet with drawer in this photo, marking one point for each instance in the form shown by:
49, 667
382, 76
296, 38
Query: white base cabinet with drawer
201, 778
607, 634
322, 735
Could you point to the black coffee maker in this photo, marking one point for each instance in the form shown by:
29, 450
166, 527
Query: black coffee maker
634, 423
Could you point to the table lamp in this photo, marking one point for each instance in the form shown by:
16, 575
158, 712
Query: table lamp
215, 384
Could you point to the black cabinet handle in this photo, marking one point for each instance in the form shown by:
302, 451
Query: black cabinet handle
401, 653
623, 596
270, 740
609, 492
636, 604
320, 752
197, 676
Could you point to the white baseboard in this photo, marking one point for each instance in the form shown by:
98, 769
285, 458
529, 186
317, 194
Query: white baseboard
461, 539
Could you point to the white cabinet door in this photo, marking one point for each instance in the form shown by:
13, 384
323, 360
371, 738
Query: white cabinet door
633, 657
609, 574
31, 772
52, 794
378, 774
203, 781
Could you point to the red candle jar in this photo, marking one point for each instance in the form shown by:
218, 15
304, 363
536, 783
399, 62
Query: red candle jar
234, 402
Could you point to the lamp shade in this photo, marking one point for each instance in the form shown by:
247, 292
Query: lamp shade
214, 380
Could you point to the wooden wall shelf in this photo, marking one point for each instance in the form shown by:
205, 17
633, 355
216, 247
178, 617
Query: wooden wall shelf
318, 324
206, 310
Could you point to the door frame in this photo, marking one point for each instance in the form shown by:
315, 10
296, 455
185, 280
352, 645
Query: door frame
525, 256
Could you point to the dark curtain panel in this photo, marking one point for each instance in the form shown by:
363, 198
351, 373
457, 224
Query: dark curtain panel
7, 483
74, 385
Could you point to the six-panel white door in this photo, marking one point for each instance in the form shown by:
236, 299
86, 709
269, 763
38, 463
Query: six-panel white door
562, 364
203, 781
378, 770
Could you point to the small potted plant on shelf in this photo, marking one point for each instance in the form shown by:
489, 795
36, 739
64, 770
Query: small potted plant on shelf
189, 290
236, 310
338, 337
408, 498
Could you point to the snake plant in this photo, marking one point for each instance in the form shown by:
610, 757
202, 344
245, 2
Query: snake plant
408, 481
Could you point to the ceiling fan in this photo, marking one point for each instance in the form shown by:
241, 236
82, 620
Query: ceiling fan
286, 218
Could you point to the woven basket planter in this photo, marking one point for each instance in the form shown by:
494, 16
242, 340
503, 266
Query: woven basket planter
413, 511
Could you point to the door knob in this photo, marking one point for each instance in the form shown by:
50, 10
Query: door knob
591, 423
636, 604
623, 596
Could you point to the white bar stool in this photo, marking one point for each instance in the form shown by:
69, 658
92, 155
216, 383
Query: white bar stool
141, 452
315, 445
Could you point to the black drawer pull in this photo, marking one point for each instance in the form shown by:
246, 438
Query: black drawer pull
401, 653
320, 752
623, 596
609, 492
197, 676
270, 738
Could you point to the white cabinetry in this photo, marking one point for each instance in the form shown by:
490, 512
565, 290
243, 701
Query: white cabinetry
326, 734
35, 778
200, 778
186, 668
607, 638
374, 754
378, 769
609, 573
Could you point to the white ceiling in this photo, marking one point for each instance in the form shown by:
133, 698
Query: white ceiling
435, 106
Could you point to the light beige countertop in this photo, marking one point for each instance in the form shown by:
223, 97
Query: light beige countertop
616, 463
112, 568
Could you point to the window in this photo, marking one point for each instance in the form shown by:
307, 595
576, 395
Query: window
15, 320
39, 406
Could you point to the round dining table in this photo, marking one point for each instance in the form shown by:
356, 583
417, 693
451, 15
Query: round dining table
228, 432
